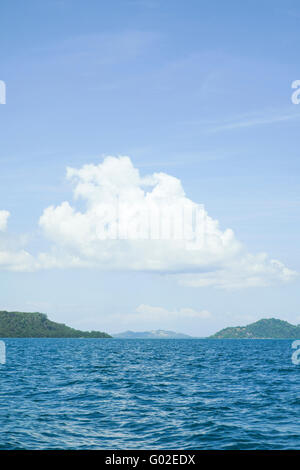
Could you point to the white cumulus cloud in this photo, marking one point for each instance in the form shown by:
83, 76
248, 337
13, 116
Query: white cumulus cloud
147, 223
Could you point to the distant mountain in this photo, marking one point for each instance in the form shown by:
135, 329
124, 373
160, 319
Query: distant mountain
37, 325
269, 328
155, 334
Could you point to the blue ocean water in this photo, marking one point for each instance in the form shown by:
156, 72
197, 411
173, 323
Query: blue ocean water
149, 394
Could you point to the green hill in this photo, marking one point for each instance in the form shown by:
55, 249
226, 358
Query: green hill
37, 325
270, 328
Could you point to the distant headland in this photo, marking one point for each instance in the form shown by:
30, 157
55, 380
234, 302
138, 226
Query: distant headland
153, 334
37, 325
267, 328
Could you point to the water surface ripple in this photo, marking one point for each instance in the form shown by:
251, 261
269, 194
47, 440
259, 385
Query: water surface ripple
149, 394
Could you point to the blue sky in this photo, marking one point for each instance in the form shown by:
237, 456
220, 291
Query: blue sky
197, 90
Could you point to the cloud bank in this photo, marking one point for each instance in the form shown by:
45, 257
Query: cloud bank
12, 256
143, 223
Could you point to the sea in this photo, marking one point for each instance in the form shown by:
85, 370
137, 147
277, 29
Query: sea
149, 394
